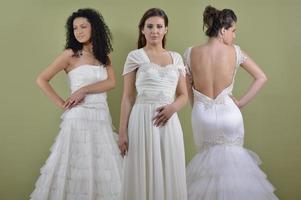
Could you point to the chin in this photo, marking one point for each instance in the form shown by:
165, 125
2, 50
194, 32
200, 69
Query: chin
155, 42
82, 40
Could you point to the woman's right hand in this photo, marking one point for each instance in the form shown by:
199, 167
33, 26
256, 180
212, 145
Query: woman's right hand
123, 143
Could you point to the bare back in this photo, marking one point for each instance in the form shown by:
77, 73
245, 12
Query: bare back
213, 67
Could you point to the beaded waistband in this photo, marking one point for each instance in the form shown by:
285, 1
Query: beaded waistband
222, 140
153, 98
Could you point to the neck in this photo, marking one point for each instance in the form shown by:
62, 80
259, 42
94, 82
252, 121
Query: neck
154, 47
87, 47
215, 40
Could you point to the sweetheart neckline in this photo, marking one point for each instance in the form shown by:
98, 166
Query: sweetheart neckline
161, 66
84, 65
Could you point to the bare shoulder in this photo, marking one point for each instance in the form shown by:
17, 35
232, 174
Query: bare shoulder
69, 58
200, 50
67, 53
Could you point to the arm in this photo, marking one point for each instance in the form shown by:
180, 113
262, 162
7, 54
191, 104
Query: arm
165, 112
127, 102
97, 87
189, 82
60, 63
259, 80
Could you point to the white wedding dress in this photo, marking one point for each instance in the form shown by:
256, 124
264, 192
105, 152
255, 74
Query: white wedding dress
222, 168
84, 163
155, 162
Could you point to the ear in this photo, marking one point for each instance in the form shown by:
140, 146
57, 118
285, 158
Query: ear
223, 30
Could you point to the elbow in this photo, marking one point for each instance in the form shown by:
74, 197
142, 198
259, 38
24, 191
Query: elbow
39, 81
128, 99
264, 79
185, 98
112, 84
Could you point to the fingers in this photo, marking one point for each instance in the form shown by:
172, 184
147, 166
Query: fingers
159, 109
160, 114
123, 145
160, 120
123, 148
70, 103
235, 100
67, 103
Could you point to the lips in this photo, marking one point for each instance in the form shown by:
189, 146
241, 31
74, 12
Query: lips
80, 37
154, 37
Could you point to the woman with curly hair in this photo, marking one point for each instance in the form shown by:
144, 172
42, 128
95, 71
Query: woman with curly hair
222, 169
150, 136
84, 162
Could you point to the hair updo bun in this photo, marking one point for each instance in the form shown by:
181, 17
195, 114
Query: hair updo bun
215, 19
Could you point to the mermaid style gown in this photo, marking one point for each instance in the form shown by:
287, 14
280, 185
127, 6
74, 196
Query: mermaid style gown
155, 161
84, 163
223, 169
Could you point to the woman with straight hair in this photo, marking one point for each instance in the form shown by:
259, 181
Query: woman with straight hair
150, 133
222, 168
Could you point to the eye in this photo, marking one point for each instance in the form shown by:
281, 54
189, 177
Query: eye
150, 26
159, 26
74, 28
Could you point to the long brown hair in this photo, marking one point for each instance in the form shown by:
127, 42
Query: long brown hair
152, 12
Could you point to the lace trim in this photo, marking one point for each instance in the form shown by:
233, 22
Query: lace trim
163, 71
222, 140
159, 98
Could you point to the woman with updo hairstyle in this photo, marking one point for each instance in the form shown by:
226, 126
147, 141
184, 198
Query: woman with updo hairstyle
84, 163
222, 169
150, 133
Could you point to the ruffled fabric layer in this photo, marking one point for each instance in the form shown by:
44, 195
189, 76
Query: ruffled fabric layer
227, 172
84, 163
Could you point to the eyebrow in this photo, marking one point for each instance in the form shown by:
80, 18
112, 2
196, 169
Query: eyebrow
153, 23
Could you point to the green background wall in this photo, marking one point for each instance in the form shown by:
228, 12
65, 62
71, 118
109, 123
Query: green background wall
32, 34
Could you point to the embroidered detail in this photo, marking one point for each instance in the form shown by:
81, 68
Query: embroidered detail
222, 140
154, 97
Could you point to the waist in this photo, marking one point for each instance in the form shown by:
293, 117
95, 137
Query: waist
95, 100
150, 97
222, 140
210, 103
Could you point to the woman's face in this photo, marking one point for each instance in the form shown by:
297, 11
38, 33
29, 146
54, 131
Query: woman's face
82, 29
154, 30
229, 34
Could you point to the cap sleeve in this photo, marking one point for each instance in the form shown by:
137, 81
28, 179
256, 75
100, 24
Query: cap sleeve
187, 61
132, 62
179, 63
240, 56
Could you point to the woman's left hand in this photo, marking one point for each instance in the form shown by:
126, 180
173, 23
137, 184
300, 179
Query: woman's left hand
75, 98
163, 115
235, 101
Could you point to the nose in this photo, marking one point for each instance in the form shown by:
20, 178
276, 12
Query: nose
154, 29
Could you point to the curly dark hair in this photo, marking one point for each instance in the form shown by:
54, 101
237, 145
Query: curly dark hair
100, 35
